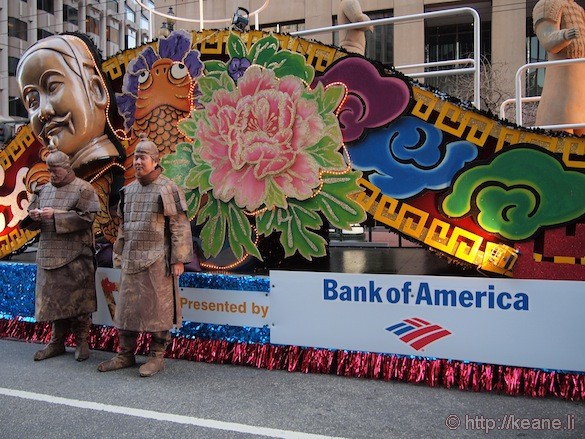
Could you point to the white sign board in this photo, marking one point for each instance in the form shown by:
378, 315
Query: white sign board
526, 323
222, 307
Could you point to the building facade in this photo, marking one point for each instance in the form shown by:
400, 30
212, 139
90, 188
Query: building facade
507, 38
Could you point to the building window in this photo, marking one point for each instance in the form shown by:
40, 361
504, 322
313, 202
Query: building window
16, 108
130, 38
285, 28
130, 14
112, 5
451, 42
112, 34
70, 14
380, 43
12, 63
46, 5
144, 22
534, 53
92, 25
42, 33
17, 28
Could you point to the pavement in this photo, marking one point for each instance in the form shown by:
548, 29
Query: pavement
62, 398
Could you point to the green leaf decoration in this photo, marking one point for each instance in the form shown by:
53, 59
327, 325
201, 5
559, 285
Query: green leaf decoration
334, 201
331, 99
236, 47
198, 177
294, 224
274, 197
188, 127
227, 82
178, 164
266, 222
214, 67
240, 233
213, 232
193, 198
326, 154
288, 63
208, 85
263, 50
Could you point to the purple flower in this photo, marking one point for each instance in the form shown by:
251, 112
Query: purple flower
237, 67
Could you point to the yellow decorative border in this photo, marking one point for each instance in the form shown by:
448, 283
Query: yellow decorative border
213, 42
433, 232
15, 149
477, 128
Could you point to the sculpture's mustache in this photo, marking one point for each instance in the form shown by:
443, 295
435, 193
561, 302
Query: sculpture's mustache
55, 123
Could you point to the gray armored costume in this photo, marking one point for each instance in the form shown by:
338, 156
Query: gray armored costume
154, 234
154, 242
65, 285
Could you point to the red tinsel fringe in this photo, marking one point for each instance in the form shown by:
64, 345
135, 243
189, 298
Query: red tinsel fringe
466, 376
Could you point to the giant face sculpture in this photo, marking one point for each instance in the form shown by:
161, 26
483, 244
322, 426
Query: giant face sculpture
64, 95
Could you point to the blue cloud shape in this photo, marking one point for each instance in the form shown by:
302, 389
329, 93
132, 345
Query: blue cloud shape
408, 156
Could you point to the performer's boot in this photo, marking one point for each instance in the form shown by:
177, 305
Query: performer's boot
155, 363
125, 356
57, 344
80, 326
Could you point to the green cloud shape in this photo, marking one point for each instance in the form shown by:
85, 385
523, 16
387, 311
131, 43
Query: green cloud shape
522, 190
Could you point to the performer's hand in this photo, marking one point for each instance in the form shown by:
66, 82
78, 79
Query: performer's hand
572, 33
116, 260
35, 214
47, 213
178, 269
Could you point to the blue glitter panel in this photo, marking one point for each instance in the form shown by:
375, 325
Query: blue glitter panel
225, 282
207, 331
17, 289
17, 299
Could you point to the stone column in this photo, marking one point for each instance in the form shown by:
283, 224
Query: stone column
318, 14
409, 38
508, 41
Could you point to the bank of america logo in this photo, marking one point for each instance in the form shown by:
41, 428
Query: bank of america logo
418, 333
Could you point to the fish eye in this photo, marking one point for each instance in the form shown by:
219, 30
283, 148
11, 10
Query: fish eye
178, 71
143, 77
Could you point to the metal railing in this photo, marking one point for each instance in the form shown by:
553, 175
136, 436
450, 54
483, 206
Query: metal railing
201, 20
519, 86
475, 62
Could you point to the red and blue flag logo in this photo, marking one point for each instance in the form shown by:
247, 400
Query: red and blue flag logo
418, 333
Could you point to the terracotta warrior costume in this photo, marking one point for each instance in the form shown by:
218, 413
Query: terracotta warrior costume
154, 234
65, 284
563, 95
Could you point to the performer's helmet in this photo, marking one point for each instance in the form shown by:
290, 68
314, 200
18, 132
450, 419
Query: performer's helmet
147, 147
58, 159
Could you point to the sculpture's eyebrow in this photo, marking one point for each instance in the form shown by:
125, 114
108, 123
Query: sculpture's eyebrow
28, 89
47, 75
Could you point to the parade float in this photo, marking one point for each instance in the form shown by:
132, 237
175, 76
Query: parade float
275, 139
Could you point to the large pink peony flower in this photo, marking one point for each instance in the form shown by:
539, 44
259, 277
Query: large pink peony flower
256, 140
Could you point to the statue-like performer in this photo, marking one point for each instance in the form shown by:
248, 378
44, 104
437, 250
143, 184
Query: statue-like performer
154, 242
65, 294
353, 40
67, 101
560, 28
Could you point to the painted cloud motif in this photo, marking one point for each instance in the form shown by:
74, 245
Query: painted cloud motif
409, 156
